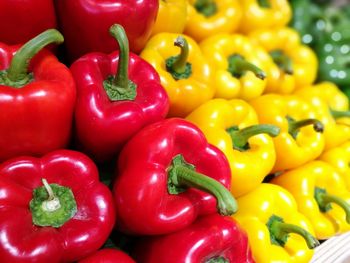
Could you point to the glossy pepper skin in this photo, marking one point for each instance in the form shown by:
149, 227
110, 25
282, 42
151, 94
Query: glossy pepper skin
171, 17
239, 66
263, 14
297, 63
146, 191
189, 84
111, 109
215, 118
317, 189
207, 18
259, 210
339, 158
85, 24
108, 255
36, 100
22, 20
334, 133
22, 240
220, 238
301, 139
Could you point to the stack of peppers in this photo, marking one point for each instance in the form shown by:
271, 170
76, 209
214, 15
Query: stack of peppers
170, 131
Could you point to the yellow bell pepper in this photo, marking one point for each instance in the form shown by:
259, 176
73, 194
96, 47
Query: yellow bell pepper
232, 126
297, 63
301, 139
210, 17
339, 158
277, 232
184, 73
321, 195
261, 14
239, 66
334, 133
171, 17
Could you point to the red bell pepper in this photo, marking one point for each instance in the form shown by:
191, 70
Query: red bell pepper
85, 24
108, 255
110, 109
213, 238
168, 176
22, 20
62, 221
36, 107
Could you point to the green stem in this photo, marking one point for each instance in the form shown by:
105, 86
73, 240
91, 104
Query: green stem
182, 175
279, 232
120, 87
324, 201
295, 126
237, 66
217, 260
240, 137
340, 114
17, 74
52, 203
282, 60
178, 66
206, 7
264, 3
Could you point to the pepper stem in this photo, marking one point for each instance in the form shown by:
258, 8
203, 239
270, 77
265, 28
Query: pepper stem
218, 260
52, 203
206, 7
182, 175
279, 232
178, 66
17, 73
324, 201
237, 66
294, 126
120, 87
283, 61
264, 3
340, 114
240, 137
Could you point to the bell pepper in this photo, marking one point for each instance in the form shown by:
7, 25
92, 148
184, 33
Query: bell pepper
334, 133
37, 98
233, 127
167, 184
339, 158
239, 66
210, 17
171, 18
85, 24
184, 72
120, 104
297, 63
301, 139
321, 195
211, 238
277, 232
22, 20
53, 209
264, 14
108, 255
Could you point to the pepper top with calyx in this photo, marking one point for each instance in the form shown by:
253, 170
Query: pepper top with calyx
241, 68
185, 73
37, 98
57, 203
189, 183
233, 127
301, 138
276, 230
125, 96
321, 195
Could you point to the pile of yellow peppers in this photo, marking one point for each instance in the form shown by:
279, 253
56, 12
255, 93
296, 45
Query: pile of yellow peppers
237, 71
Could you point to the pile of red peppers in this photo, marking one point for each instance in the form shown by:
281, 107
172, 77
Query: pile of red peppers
103, 111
